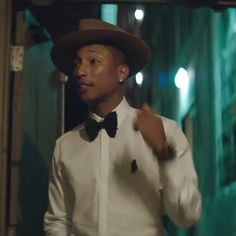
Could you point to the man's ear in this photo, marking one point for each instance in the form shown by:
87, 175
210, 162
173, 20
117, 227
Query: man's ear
123, 72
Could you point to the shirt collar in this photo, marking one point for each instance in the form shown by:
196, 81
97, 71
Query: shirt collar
120, 110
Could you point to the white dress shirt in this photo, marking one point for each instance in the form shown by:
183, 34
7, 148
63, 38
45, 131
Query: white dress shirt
93, 192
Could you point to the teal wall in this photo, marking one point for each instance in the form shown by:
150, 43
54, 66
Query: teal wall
40, 120
202, 40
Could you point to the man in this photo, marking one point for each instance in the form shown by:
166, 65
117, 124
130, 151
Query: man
119, 171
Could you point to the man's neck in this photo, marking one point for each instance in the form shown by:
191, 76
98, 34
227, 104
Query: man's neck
102, 109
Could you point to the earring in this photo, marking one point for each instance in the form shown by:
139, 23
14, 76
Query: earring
121, 81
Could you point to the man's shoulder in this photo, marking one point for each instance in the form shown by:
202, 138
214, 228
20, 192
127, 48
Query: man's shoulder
70, 134
171, 126
132, 110
174, 133
169, 122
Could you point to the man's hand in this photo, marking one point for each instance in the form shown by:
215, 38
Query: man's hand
151, 127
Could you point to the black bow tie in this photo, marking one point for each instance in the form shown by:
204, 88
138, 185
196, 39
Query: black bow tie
92, 127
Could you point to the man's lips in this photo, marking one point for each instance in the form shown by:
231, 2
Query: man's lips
84, 85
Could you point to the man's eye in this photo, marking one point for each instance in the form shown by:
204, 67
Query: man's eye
94, 61
76, 65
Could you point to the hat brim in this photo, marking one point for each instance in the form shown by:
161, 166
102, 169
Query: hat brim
135, 49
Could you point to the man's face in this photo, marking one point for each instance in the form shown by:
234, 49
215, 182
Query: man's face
97, 70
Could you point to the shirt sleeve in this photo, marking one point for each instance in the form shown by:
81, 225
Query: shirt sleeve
57, 221
181, 197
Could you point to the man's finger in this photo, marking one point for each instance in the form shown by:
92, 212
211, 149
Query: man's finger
145, 107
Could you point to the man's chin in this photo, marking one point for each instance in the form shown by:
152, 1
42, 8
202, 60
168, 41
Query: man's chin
86, 99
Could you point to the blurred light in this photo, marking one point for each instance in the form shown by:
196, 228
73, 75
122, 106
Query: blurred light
139, 78
182, 79
139, 14
109, 13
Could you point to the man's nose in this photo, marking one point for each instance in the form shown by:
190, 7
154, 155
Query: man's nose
80, 70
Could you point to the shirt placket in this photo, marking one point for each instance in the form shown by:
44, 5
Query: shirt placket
103, 211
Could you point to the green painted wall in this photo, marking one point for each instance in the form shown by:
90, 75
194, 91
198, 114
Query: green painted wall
203, 40
40, 120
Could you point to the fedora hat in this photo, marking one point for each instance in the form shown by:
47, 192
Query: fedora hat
93, 31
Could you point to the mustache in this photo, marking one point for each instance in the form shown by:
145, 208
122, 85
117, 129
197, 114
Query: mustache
81, 82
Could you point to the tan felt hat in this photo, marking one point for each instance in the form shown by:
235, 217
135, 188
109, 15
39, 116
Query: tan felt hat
93, 31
